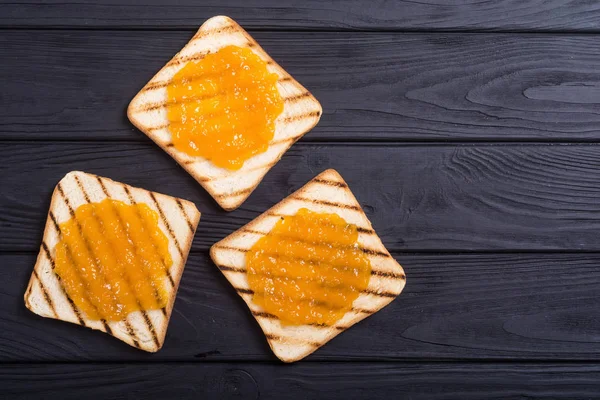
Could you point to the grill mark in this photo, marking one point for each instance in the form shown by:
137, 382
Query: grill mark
327, 326
45, 292
62, 194
80, 186
295, 98
231, 269
370, 252
69, 300
158, 127
365, 291
151, 328
107, 327
103, 187
331, 183
53, 218
223, 29
277, 338
135, 247
181, 60
302, 116
375, 253
162, 84
391, 275
155, 85
87, 245
169, 145
235, 194
185, 216
266, 315
363, 310
132, 201
327, 203
285, 79
380, 294
366, 231
132, 334
155, 106
164, 219
324, 304
262, 314
220, 246
383, 274
253, 231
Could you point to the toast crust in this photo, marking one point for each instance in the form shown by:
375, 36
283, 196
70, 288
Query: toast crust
45, 295
327, 192
229, 188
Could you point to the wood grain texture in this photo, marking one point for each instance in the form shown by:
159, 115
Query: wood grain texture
303, 381
499, 240
419, 198
543, 15
454, 307
373, 86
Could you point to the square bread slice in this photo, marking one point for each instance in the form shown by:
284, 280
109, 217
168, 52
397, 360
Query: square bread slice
147, 111
45, 294
328, 193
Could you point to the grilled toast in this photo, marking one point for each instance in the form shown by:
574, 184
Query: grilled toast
45, 294
147, 111
327, 192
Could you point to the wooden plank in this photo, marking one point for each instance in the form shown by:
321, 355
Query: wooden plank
539, 15
454, 307
419, 198
303, 380
373, 86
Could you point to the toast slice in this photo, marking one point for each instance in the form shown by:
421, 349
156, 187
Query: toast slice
327, 192
45, 294
147, 111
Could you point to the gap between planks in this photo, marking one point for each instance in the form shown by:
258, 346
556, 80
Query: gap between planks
337, 360
308, 141
194, 28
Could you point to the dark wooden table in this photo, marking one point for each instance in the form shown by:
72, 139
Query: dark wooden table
468, 130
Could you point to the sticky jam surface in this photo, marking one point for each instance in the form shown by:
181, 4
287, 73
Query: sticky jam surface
308, 269
223, 107
112, 259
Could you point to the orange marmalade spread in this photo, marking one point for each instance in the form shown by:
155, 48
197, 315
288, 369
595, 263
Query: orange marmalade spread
223, 107
112, 259
308, 269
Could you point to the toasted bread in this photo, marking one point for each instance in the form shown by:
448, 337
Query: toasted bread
327, 192
45, 294
147, 111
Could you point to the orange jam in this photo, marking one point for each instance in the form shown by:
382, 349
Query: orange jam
308, 269
223, 107
112, 259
